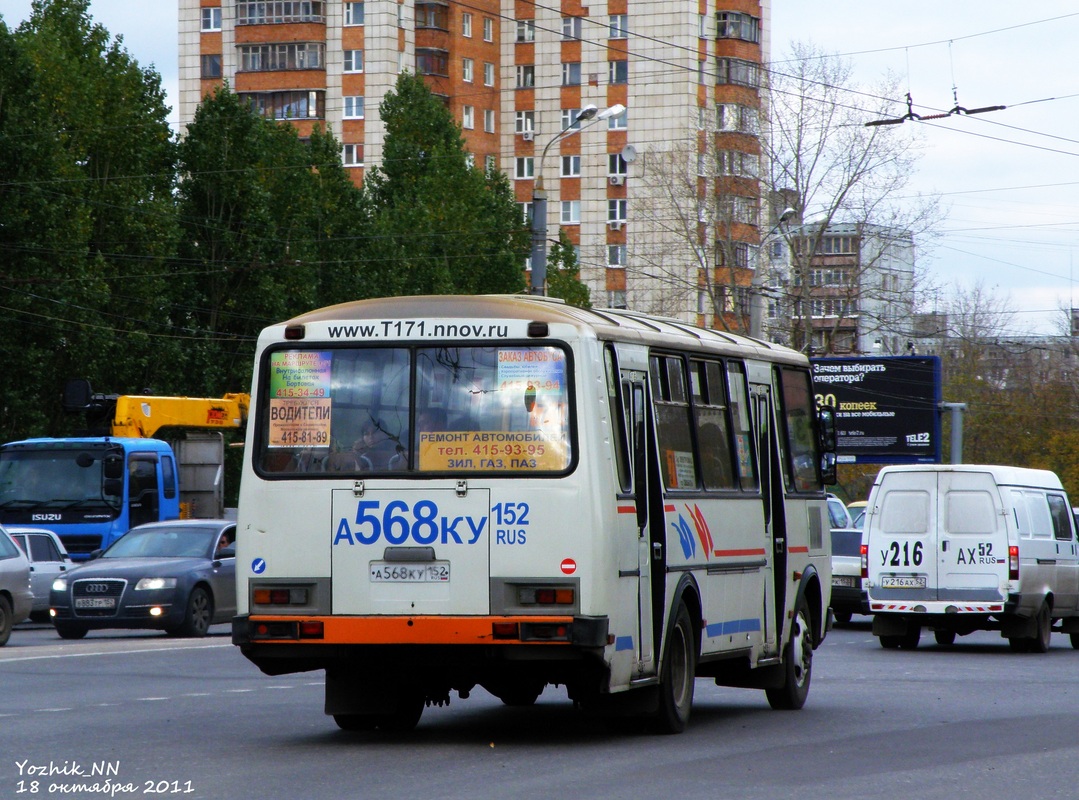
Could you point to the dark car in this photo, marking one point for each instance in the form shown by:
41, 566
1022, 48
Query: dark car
178, 576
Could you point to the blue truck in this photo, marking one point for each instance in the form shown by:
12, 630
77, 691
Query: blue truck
160, 458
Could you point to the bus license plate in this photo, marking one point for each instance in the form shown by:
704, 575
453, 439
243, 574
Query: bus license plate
843, 580
95, 602
893, 582
387, 572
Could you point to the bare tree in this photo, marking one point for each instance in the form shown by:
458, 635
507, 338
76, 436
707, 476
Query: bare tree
834, 169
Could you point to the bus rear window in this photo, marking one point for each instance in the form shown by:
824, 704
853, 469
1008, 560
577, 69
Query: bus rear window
422, 409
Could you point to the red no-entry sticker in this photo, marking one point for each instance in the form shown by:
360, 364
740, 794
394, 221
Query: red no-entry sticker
569, 566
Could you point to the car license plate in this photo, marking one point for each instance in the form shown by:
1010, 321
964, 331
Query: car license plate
389, 572
895, 582
843, 580
95, 602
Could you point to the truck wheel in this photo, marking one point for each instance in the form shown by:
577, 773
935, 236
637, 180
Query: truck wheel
890, 642
909, 640
1075, 640
946, 638
200, 613
679, 675
7, 620
843, 617
797, 664
356, 722
1043, 630
68, 630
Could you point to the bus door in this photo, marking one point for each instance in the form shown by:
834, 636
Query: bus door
649, 510
774, 518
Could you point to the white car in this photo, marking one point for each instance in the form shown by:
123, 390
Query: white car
16, 599
48, 561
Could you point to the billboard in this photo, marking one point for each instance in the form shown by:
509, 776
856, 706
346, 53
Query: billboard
887, 408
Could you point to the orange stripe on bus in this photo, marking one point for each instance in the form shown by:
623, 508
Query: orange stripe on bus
627, 509
669, 509
751, 552
798, 549
409, 630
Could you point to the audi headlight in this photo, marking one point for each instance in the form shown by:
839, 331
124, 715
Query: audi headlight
59, 585
155, 583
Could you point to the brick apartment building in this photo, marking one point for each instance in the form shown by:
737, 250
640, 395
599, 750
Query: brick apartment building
514, 74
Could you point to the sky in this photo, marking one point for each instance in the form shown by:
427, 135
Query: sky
1009, 180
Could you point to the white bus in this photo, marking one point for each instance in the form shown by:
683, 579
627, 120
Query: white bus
509, 492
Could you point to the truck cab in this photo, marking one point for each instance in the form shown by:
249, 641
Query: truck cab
90, 490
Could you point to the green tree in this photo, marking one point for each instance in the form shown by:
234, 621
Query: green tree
248, 207
87, 219
564, 274
438, 225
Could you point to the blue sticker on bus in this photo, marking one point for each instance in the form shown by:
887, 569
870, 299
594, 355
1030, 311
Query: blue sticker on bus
258, 566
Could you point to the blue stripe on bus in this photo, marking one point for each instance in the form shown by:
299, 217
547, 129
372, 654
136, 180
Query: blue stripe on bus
732, 626
623, 643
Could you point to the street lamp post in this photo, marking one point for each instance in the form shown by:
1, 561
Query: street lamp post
591, 115
757, 287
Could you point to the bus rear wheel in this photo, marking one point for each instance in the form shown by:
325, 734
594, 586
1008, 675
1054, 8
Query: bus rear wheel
679, 675
797, 664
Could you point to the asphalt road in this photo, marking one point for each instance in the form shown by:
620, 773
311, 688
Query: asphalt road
152, 715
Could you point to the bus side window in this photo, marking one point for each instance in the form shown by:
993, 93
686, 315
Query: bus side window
676, 460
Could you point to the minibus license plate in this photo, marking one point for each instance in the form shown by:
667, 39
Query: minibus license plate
391, 572
95, 602
903, 583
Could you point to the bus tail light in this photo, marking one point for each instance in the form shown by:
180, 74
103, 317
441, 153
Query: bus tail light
546, 595
280, 596
864, 552
1013, 563
287, 629
504, 630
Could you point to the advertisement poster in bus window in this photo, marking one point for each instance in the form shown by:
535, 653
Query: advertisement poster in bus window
300, 410
531, 384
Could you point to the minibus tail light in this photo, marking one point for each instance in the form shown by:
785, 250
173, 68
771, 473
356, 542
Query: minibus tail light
864, 552
1013, 563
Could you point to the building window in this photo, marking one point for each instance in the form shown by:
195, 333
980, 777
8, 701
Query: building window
275, 13
738, 72
352, 155
287, 105
488, 29
523, 168
353, 14
468, 118
400, 15
616, 255
616, 298
569, 118
732, 254
211, 19
571, 212
264, 57
525, 122
739, 118
526, 30
489, 120
432, 61
616, 165
526, 212
488, 73
571, 27
466, 70
571, 73
618, 71
470, 160
733, 25
432, 15
354, 61
619, 123
702, 25
735, 162
571, 166
354, 107
466, 25
617, 210
211, 65
490, 163
526, 76
618, 26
